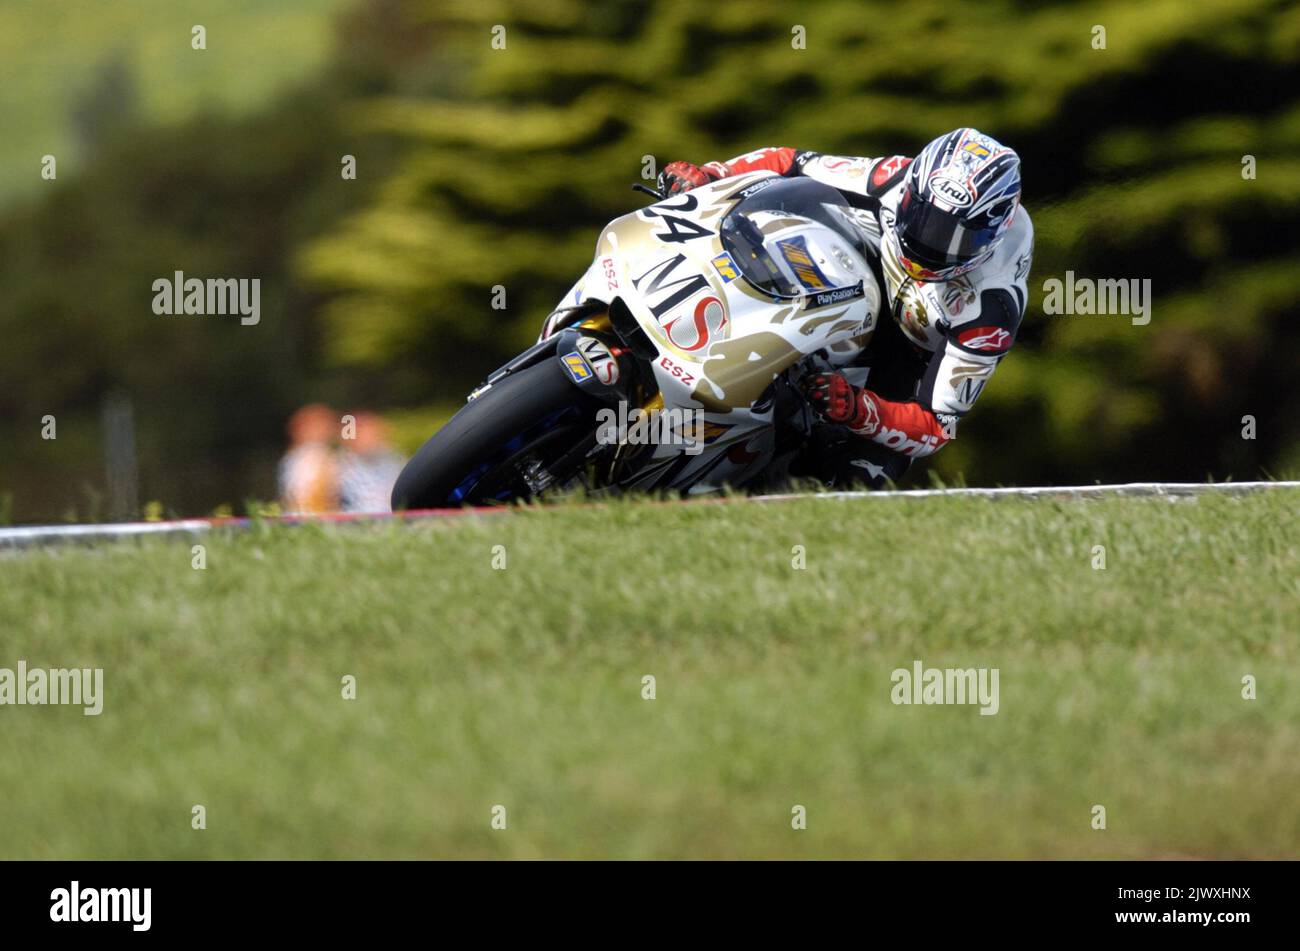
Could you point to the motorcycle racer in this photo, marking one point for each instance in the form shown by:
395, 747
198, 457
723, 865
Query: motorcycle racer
955, 249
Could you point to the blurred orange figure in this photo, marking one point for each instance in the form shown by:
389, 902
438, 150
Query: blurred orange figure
308, 476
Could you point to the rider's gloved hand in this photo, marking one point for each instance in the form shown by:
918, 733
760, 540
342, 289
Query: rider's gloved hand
836, 399
683, 176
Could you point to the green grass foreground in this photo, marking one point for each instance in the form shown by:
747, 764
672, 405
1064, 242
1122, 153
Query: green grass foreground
523, 687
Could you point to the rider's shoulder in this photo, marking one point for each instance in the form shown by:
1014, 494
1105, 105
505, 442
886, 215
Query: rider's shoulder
1020, 236
1010, 263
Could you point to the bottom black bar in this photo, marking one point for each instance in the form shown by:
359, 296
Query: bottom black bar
1178, 901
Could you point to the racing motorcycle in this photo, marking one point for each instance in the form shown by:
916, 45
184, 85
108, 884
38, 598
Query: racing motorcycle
673, 363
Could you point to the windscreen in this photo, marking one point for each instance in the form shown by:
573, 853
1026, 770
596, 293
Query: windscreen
752, 251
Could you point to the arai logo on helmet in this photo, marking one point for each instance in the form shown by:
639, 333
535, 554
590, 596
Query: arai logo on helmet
951, 191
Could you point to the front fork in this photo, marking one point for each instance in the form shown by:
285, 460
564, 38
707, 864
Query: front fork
595, 358
596, 361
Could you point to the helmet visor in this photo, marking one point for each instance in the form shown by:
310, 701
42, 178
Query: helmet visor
937, 239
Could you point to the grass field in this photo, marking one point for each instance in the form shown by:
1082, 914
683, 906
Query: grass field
523, 687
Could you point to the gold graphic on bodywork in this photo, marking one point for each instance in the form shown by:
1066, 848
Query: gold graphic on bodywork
712, 430
629, 236
782, 314
812, 323
738, 371
743, 182
853, 343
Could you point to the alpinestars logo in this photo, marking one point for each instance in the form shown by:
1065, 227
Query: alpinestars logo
871, 415
993, 342
888, 168
985, 339
873, 470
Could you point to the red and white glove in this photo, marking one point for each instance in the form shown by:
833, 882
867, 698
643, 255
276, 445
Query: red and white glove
906, 427
838, 401
680, 177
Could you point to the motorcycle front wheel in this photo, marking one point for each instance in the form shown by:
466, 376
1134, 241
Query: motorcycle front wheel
524, 433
